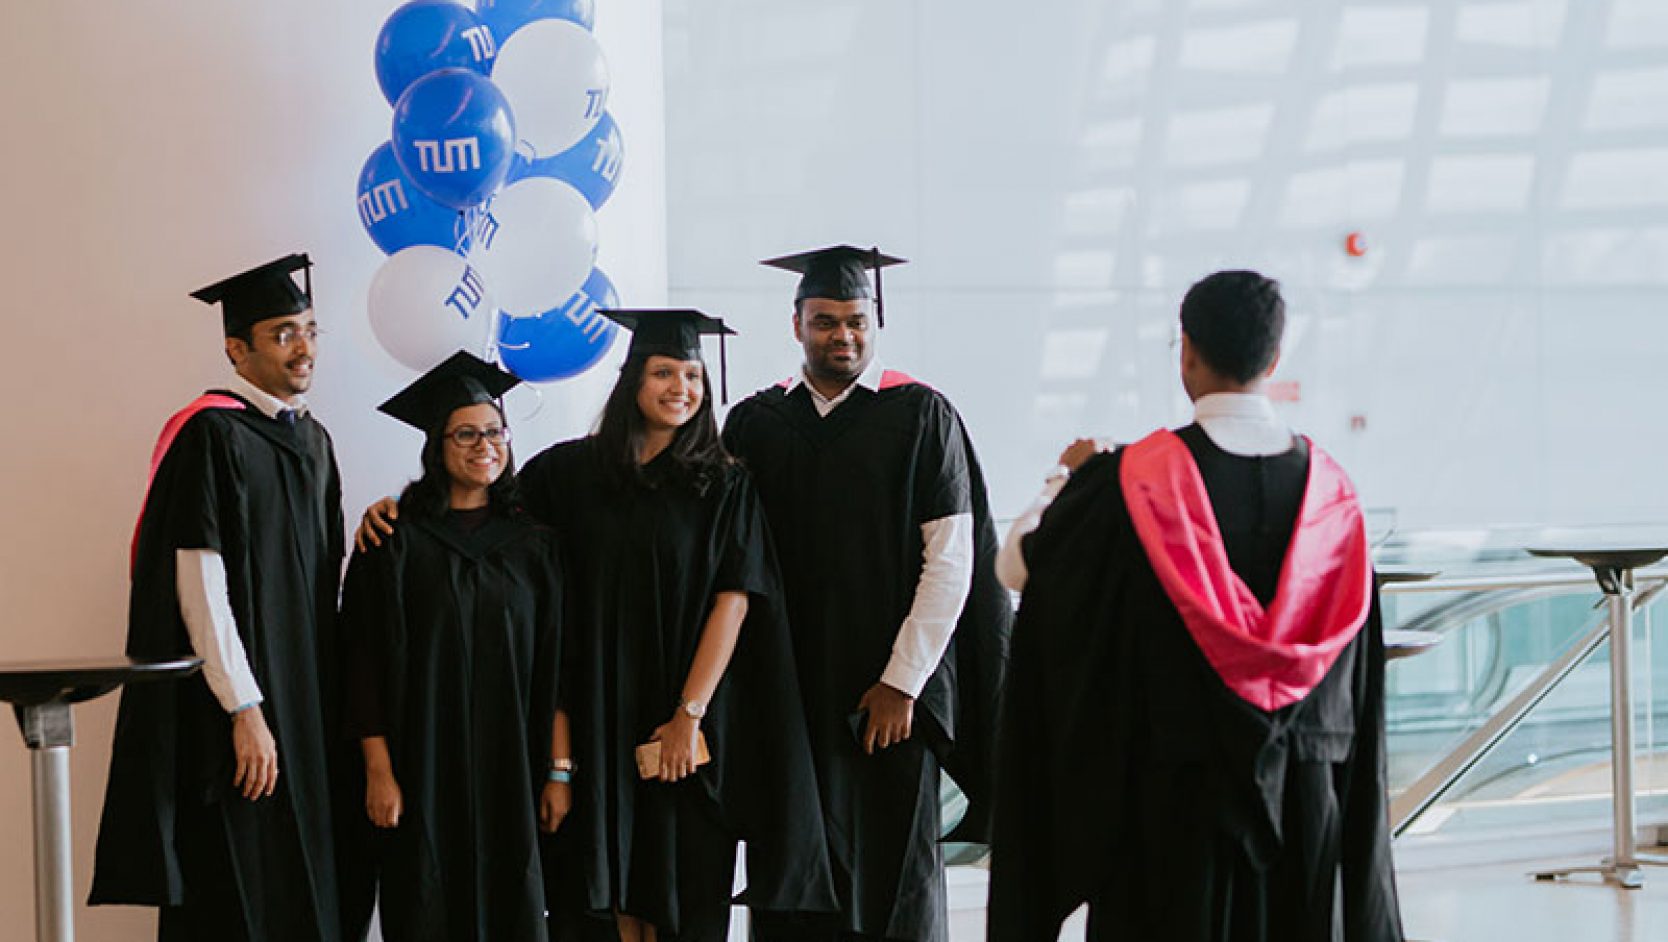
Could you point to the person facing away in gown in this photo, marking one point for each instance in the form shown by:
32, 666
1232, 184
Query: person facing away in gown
1193, 739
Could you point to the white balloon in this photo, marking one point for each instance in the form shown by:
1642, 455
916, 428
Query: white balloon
427, 303
537, 245
553, 73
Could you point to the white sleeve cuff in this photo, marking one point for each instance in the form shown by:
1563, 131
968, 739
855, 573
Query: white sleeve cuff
946, 579
200, 579
1010, 560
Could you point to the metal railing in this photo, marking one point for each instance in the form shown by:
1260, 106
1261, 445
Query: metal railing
1490, 594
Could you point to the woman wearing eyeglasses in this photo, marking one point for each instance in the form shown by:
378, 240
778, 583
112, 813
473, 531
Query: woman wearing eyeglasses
687, 729
454, 621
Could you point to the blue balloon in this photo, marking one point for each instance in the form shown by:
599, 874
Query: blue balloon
454, 137
504, 17
592, 166
564, 341
396, 215
425, 35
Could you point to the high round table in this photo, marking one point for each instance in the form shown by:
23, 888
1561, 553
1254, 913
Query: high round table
41, 693
1613, 567
1405, 642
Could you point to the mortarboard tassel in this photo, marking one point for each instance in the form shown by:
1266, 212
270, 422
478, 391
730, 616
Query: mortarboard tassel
880, 298
723, 371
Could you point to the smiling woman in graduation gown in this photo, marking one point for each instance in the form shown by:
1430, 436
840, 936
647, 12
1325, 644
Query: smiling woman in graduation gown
454, 621
648, 547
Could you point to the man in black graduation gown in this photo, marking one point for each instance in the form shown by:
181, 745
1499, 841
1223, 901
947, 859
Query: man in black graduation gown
218, 808
878, 509
1193, 739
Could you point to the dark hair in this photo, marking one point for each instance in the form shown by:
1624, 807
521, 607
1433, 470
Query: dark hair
431, 494
1234, 320
245, 334
697, 451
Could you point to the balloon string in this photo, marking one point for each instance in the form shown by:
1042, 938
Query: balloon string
538, 400
490, 354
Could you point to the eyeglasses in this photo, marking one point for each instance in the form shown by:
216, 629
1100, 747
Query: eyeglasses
466, 436
288, 334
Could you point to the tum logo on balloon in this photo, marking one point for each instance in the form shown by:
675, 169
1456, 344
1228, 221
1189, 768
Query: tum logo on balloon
480, 43
466, 297
449, 156
383, 200
581, 312
606, 162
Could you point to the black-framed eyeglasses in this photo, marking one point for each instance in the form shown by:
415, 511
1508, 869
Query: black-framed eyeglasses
288, 334
466, 436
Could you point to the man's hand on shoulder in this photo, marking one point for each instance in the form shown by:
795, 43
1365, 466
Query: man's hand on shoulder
1082, 450
377, 522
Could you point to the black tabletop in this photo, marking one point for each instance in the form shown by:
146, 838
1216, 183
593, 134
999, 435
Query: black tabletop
72, 680
1403, 642
1611, 556
1389, 574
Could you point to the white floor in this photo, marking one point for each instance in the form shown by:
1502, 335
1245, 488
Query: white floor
1490, 902
1494, 902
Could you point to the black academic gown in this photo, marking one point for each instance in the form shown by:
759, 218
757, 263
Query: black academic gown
265, 495
454, 623
642, 566
846, 496
1132, 778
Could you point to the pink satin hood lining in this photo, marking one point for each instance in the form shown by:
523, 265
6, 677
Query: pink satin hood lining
171, 431
1269, 658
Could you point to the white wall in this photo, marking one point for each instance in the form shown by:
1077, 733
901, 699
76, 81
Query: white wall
154, 147
1060, 172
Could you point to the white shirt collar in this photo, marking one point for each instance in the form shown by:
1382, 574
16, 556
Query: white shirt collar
1242, 424
869, 379
269, 404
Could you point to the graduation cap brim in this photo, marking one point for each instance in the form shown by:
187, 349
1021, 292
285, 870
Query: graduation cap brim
462, 380
838, 273
673, 332
264, 291
800, 263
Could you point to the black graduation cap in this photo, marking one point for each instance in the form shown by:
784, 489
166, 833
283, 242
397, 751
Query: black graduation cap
674, 332
261, 292
462, 380
837, 273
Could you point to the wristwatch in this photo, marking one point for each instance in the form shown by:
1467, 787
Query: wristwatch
694, 709
561, 770
1059, 473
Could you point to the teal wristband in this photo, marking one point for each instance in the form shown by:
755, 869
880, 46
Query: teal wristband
559, 775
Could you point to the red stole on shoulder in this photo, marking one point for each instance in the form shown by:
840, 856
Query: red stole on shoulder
171, 431
1269, 658
888, 379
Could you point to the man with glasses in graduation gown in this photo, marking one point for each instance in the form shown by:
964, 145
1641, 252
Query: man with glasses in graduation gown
219, 809
878, 509
1194, 733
